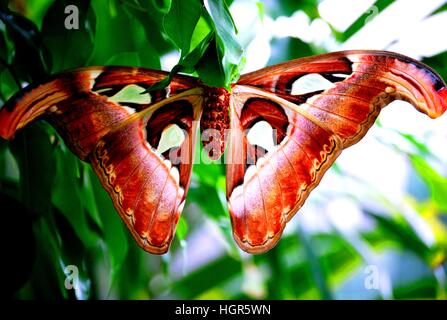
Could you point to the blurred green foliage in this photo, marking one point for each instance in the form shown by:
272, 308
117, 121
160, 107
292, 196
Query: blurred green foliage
57, 213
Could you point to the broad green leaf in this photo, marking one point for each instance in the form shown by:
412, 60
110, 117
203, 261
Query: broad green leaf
114, 231
9, 172
316, 268
129, 46
161, 5
8, 85
151, 18
165, 82
276, 9
187, 64
4, 48
201, 31
73, 257
289, 48
337, 256
48, 274
435, 181
182, 229
208, 200
280, 284
438, 62
135, 274
78, 42
67, 196
36, 10
227, 49
87, 194
180, 22
210, 68
207, 173
28, 61
129, 59
213, 274
400, 233
424, 288
34, 153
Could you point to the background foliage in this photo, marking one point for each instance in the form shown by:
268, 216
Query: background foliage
55, 213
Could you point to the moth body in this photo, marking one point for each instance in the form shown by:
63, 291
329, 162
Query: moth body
215, 120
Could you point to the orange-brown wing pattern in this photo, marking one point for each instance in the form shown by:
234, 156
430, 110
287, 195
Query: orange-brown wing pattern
105, 118
147, 181
84, 104
265, 188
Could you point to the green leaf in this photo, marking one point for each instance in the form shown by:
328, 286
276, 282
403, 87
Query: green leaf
78, 43
67, 196
316, 268
35, 11
210, 68
187, 64
5, 46
34, 153
422, 148
401, 233
129, 46
378, 6
73, 256
202, 30
8, 85
9, 172
182, 229
227, 49
151, 18
180, 23
28, 61
280, 283
261, 10
208, 200
48, 274
438, 62
114, 231
440, 9
87, 194
287, 7
213, 274
435, 181
284, 49
166, 81
161, 5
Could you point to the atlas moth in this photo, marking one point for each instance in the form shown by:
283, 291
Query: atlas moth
121, 135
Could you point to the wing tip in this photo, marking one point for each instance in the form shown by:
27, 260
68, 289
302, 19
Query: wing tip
154, 249
264, 247
442, 103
